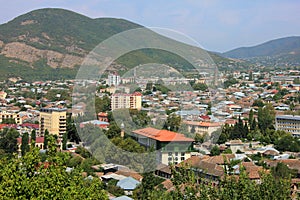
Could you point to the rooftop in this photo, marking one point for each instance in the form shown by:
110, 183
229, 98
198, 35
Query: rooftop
291, 117
162, 135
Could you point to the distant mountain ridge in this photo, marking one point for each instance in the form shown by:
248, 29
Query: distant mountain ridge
278, 51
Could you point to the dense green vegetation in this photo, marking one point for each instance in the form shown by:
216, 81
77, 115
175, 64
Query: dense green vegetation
189, 186
31, 177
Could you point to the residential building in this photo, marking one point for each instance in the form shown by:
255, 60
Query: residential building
4, 115
171, 147
53, 120
288, 123
113, 80
131, 101
202, 127
39, 142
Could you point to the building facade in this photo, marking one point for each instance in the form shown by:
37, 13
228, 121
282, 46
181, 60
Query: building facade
113, 80
53, 120
288, 123
131, 101
171, 147
4, 115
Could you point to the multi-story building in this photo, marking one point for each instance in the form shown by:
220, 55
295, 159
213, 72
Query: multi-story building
113, 80
4, 116
288, 123
53, 120
131, 101
171, 147
202, 127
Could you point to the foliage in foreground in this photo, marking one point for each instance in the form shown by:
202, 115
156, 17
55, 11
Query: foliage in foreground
30, 178
188, 186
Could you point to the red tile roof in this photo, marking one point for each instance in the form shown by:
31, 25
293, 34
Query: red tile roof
37, 140
162, 135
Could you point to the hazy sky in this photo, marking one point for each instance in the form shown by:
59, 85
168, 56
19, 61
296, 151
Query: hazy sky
218, 25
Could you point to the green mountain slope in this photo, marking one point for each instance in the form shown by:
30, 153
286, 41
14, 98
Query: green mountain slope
52, 43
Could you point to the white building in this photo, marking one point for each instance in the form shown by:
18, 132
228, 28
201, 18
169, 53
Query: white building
288, 123
113, 80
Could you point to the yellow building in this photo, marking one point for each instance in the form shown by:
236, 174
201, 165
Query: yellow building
4, 115
131, 101
53, 120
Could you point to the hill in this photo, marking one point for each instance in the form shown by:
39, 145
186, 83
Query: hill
283, 51
51, 44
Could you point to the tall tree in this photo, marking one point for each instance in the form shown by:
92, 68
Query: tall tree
64, 141
266, 117
46, 137
251, 116
25, 146
33, 138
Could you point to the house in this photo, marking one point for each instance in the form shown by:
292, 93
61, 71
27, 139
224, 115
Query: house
202, 127
128, 185
39, 142
122, 198
163, 171
98, 123
236, 145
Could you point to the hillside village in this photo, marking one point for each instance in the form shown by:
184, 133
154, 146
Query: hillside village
250, 124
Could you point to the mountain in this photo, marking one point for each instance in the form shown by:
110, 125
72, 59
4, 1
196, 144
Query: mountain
52, 43
283, 51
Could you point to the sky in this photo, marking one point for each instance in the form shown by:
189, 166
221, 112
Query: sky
217, 25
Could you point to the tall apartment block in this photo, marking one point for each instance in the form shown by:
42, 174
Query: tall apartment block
130, 101
114, 80
288, 123
54, 120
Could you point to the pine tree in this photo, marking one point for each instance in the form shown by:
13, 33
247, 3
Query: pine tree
46, 135
251, 115
64, 141
253, 125
25, 146
33, 138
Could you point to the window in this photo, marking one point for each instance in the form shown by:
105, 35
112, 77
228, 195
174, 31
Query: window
176, 153
182, 158
170, 154
182, 154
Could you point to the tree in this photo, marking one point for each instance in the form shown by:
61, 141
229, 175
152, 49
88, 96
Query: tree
251, 76
251, 117
266, 117
71, 130
253, 125
173, 122
102, 104
46, 135
281, 170
200, 86
25, 146
33, 138
8, 140
215, 151
30, 178
258, 103
113, 130
64, 141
